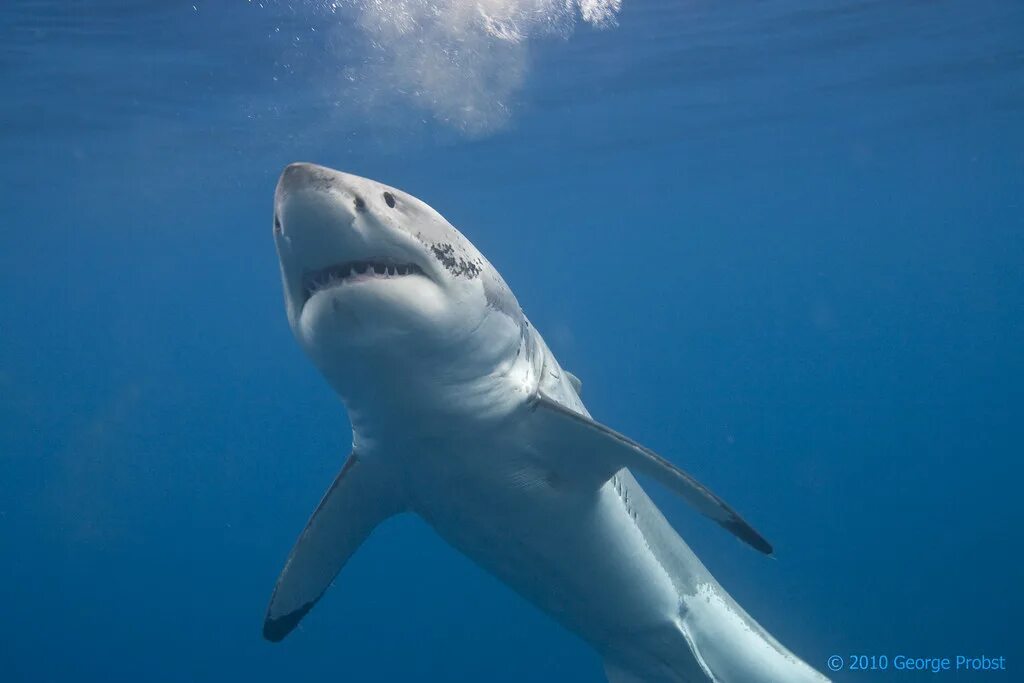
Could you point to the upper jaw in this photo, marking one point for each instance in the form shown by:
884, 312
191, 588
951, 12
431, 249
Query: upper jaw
354, 260
323, 243
352, 271
343, 253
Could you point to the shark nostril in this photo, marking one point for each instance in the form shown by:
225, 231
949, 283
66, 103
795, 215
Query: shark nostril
360, 203
389, 199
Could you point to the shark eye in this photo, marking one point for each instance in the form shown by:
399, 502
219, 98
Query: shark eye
277, 225
360, 203
389, 199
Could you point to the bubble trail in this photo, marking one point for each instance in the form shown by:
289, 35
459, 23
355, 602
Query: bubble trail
461, 60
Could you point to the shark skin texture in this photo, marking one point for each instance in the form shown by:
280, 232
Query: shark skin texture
461, 414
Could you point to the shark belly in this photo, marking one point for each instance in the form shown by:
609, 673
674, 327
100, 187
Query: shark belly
581, 556
606, 564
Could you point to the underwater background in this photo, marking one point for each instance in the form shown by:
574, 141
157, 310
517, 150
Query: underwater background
780, 242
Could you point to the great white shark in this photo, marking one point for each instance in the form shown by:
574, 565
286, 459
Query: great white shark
461, 414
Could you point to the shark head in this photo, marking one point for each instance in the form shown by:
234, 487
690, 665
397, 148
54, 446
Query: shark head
379, 285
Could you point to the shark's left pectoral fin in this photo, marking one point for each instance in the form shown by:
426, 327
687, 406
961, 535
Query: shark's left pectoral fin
599, 451
361, 497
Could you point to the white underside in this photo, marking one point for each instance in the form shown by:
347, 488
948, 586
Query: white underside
604, 563
607, 565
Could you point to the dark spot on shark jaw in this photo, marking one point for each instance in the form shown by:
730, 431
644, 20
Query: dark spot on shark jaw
354, 271
454, 262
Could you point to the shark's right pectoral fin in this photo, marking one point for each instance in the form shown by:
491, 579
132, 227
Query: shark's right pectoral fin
594, 452
361, 497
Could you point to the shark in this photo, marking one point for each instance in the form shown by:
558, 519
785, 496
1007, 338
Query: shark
461, 414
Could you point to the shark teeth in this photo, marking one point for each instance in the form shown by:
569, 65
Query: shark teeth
339, 274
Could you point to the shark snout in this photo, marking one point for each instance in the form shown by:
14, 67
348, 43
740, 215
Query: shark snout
305, 183
303, 187
301, 175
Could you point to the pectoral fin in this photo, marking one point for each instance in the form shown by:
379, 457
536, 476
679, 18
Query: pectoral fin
361, 497
591, 449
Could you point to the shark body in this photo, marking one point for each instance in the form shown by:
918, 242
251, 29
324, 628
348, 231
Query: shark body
461, 414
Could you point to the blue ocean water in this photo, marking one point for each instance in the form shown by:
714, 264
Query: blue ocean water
779, 241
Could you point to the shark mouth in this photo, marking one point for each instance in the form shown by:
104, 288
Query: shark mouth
354, 271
